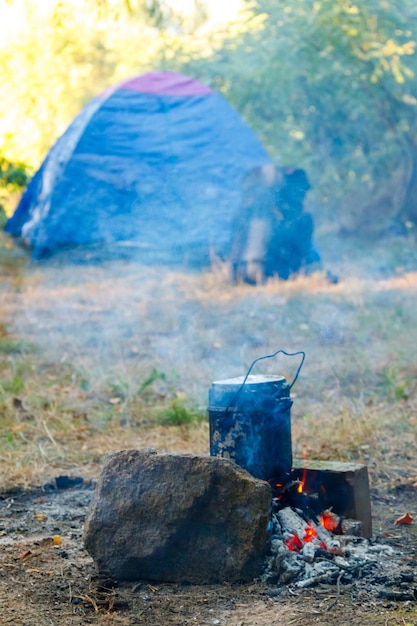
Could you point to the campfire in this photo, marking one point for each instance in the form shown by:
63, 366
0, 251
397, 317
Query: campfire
249, 511
320, 511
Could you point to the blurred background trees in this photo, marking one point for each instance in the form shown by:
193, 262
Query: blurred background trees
328, 85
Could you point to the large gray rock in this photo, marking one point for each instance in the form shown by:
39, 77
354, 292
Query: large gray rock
177, 518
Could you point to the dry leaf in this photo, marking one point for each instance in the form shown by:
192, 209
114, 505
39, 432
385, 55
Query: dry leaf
405, 519
24, 554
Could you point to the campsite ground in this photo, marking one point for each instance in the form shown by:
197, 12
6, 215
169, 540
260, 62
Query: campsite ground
97, 357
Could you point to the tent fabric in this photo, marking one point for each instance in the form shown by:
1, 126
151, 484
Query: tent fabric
156, 160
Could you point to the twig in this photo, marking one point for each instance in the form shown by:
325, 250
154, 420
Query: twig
42, 451
48, 432
85, 598
70, 591
310, 582
335, 601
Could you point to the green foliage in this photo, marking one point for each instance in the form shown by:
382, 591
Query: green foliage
119, 389
152, 378
14, 346
56, 56
13, 178
14, 386
326, 84
178, 414
3, 216
393, 386
14, 175
329, 85
85, 384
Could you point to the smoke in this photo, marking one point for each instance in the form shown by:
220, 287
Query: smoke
120, 323
122, 320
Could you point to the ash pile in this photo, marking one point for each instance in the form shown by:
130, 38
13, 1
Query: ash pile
304, 554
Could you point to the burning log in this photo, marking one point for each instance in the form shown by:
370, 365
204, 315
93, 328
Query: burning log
305, 537
291, 522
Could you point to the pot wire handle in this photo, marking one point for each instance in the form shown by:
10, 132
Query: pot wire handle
271, 356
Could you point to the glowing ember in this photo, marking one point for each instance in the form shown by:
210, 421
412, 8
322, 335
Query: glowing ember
330, 520
310, 534
294, 543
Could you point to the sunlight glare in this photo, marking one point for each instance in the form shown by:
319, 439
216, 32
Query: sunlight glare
219, 10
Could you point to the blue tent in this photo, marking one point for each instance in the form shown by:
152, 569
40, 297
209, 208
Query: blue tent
153, 165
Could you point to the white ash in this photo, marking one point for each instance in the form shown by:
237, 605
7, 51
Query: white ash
337, 560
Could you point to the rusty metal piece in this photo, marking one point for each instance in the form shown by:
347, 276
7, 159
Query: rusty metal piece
343, 487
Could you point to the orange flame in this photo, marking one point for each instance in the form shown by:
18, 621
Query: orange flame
300, 488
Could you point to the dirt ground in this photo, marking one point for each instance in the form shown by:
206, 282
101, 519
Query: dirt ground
46, 584
351, 332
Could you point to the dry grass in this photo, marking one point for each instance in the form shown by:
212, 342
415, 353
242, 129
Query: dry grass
93, 357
